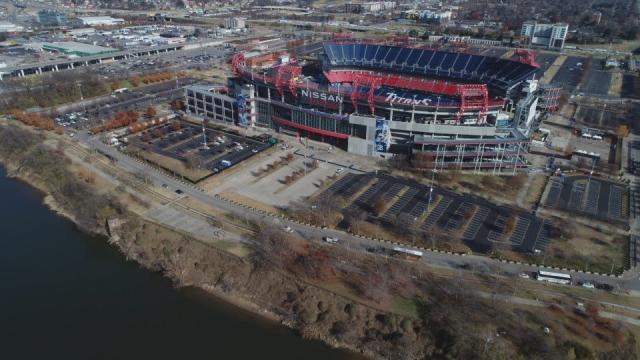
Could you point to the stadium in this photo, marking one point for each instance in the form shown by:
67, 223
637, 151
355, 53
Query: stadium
466, 111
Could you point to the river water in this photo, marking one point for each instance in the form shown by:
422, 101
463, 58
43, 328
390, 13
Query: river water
65, 295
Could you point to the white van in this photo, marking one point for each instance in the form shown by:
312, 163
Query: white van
331, 240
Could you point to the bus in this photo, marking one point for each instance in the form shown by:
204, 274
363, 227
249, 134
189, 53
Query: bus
407, 254
120, 91
553, 277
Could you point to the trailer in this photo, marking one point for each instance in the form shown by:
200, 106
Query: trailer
553, 277
407, 254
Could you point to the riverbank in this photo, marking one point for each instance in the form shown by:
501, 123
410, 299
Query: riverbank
137, 240
78, 298
348, 299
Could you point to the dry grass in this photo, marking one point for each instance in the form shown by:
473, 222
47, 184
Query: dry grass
616, 84
231, 195
534, 190
503, 189
576, 246
625, 46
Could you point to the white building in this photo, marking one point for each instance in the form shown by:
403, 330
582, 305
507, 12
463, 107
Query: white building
547, 35
369, 7
234, 23
101, 20
437, 17
376, 6
6, 27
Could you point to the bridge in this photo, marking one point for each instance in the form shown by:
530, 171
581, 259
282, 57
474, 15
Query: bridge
68, 64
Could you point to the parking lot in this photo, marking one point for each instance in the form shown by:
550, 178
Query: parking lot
597, 82
170, 61
634, 158
262, 183
601, 118
570, 73
598, 198
184, 142
545, 61
630, 86
481, 225
93, 112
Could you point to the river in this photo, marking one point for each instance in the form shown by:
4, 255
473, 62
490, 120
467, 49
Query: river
66, 295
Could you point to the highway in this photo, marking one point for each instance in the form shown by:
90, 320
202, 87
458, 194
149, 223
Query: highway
479, 264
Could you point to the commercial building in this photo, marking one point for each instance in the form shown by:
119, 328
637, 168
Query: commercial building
210, 103
546, 35
7, 27
431, 16
81, 32
369, 7
101, 20
77, 49
47, 17
234, 23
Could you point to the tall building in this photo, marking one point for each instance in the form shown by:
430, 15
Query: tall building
47, 17
234, 23
547, 35
369, 7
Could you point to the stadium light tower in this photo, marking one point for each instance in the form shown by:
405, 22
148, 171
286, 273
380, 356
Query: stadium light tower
204, 137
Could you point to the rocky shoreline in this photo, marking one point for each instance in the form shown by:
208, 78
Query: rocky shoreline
380, 308
241, 299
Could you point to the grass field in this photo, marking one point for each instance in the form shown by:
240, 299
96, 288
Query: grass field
615, 89
622, 46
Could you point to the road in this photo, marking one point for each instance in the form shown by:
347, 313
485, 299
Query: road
476, 263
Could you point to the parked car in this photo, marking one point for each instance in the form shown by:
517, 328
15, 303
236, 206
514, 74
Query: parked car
588, 285
331, 240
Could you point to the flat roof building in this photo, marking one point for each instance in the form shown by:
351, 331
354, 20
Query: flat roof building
547, 35
77, 48
9, 27
100, 20
234, 23
47, 17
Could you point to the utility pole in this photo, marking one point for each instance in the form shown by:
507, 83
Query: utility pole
204, 137
84, 106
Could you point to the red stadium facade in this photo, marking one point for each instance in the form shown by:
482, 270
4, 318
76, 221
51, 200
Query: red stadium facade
467, 111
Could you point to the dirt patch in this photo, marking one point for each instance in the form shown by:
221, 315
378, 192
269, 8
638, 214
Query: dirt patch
175, 166
230, 195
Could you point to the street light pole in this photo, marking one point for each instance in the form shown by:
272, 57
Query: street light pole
84, 106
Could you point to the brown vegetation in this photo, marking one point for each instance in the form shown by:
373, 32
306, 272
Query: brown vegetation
150, 112
34, 119
121, 119
51, 89
25, 155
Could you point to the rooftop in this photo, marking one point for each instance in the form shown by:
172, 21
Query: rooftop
77, 48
